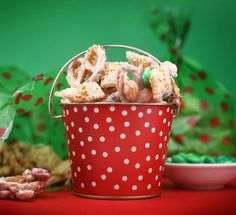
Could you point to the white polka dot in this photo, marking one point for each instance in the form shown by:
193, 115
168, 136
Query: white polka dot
157, 157
137, 165
149, 186
75, 109
124, 113
67, 112
168, 109
111, 128
83, 156
96, 126
165, 138
108, 119
160, 168
147, 145
160, 145
109, 169
85, 108
164, 120
103, 177
160, 133
140, 177
146, 124
126, 161
122, 136
150, 170
102, 139
133, 108
140, 114
82, 185
133, 149
71, 162
96, 110
124, 178
86, 119
153, 130
137, 133
156, 177
72, 124
90, 139
168, 124
134, 187
78, 169
116, 187
169, 133
80, 130
72, 136
126, 124
68, 141
73, 153
159, 184
89, 167
67, 128
148, 158
93, 152
117, 149
93, 183
112, 108
149, 110
160, 113
105, 154
172, 111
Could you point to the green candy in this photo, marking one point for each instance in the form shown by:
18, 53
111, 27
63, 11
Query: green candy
178, 159
208, 159
221, 159
192, 158
183, 157
130, 75
146, 76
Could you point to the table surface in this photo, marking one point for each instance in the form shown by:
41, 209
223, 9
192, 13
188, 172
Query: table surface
172, 201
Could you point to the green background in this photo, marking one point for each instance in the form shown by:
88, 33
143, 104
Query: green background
39, 36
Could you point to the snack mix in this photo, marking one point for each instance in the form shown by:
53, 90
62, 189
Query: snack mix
140, 80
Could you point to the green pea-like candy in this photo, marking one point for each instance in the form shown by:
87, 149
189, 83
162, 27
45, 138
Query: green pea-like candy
130, 75
192, 158
221, 159
178, 159
208, 159
146, 76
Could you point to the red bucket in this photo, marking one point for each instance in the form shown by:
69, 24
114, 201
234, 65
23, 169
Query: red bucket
117, 150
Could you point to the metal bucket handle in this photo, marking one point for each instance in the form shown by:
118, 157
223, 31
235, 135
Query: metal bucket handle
79, 55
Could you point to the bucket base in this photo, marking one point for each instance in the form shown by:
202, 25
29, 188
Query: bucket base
116, 197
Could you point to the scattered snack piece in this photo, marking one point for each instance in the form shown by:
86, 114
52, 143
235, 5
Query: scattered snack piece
24, 187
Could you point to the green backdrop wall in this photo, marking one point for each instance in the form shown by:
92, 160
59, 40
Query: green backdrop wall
38, 36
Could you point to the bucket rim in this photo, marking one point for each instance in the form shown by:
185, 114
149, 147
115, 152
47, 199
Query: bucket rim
116, 103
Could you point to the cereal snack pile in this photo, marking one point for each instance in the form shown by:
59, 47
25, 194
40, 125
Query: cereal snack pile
140, 80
